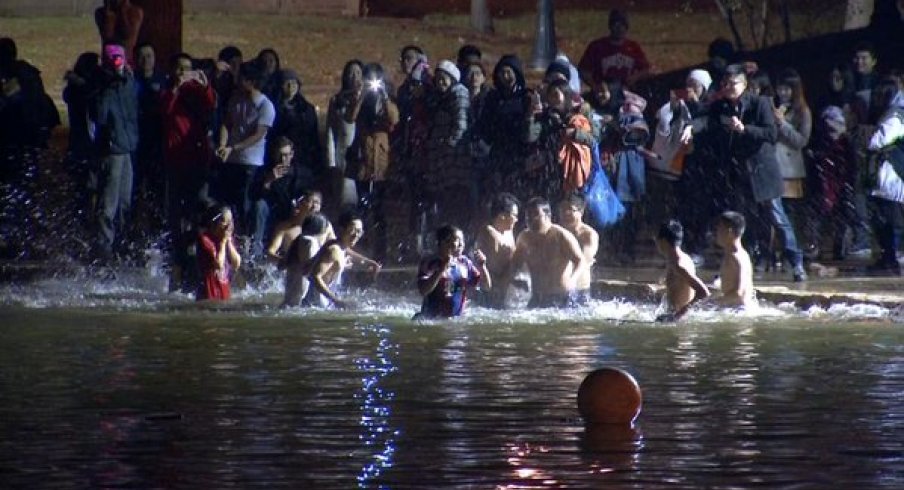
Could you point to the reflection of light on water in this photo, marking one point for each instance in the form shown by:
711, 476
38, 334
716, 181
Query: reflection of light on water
377, 434
526, 476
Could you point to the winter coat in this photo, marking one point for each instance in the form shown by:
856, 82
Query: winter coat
339, 132
751, 153
186, 114
447, 160
501, 125
298, 123
369, 155
115, 115
793, 136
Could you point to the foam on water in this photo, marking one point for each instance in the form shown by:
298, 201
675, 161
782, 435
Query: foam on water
145, 289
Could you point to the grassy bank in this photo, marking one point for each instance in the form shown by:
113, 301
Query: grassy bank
318, 46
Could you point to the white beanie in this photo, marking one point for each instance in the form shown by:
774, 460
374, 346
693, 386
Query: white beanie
450, 68
701, 76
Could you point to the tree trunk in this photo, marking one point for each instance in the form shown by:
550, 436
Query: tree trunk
786, 20
481, 20
162, 28
857, 14
887, 16
728, 15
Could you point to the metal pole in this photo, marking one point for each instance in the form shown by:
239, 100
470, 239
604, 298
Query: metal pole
545, 46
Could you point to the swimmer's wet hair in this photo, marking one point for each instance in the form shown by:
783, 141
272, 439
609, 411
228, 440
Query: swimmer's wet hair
672, 232
539, 202
446, 232
314, 224
346, 219
735, 222
503, 203
576, 200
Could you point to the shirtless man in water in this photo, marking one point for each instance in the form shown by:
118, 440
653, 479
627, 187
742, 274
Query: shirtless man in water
497, 241
683, 287
287, 231
315, 231
334, 257
736, 272
571, 215
553, 257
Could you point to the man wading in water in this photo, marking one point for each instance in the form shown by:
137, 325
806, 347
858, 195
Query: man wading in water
335, 257
552, 255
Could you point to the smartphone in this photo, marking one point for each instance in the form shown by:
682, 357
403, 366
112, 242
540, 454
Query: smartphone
192, 75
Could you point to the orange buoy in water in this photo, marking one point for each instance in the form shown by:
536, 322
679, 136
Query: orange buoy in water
609, 396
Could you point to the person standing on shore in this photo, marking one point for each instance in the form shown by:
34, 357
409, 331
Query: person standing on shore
114, 113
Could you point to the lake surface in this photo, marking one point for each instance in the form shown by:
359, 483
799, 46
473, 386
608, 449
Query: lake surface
127, 387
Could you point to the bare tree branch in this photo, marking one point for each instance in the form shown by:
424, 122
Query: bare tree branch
786, 20
727, 12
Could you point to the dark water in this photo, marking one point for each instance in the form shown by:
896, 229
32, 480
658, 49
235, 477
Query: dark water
94, 399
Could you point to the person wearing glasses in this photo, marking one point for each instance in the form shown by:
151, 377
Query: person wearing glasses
742, 132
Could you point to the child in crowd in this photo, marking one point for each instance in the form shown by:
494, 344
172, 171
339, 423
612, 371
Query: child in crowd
736, 272
683, 287
444, 280
217, 254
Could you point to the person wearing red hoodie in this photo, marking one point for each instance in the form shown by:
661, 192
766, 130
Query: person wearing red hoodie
187, 105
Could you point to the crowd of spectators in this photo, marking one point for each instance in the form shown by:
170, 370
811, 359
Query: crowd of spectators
188, 133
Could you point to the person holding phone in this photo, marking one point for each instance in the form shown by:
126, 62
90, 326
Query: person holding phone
186, 105
743, 133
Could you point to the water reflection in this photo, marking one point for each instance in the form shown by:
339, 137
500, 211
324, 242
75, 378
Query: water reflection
378, 435
201, 399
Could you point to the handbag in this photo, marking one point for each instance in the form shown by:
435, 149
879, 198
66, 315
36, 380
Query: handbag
601, 199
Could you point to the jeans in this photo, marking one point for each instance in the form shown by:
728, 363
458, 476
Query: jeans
860, 220
888, 222
775, 211
186, 196
233, 187
261, 226
115, 185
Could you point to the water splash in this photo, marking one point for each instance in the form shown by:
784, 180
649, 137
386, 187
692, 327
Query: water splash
145, 289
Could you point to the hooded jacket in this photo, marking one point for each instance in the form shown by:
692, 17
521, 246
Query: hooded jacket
115, 115
502, 122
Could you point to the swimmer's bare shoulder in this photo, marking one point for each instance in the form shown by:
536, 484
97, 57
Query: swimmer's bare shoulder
737, 280
683, 287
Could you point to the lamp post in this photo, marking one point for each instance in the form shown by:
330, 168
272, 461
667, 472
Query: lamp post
545, 45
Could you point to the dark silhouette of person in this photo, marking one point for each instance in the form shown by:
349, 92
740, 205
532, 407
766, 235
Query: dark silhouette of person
119, 21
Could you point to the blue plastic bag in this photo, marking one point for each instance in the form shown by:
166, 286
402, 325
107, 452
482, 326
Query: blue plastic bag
601, 199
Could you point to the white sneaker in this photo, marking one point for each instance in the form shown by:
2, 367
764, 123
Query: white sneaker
863, 253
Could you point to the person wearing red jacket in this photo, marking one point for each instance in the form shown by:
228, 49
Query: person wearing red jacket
187, 106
